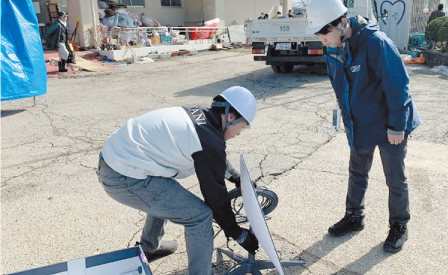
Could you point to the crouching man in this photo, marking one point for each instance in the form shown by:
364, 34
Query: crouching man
140, 162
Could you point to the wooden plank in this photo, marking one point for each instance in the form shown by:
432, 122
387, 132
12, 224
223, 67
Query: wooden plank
88, 65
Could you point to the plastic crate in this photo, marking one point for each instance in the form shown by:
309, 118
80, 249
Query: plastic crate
204, 33
165, 39
417, 40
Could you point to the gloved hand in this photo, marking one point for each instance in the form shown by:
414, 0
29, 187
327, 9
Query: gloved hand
236, 181
248, 241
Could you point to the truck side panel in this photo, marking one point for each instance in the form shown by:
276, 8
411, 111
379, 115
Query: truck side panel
278, 30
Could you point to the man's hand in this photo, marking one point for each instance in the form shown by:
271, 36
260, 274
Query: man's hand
395, 139
248, 241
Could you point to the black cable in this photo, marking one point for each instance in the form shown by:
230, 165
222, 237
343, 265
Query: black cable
268, 201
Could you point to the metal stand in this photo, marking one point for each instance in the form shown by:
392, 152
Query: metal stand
250, 265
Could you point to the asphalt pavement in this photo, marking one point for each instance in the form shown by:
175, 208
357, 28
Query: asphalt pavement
54, 209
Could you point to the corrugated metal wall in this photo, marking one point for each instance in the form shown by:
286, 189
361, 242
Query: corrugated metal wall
421, 10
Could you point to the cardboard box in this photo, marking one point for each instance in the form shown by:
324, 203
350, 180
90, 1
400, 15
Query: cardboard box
155, 40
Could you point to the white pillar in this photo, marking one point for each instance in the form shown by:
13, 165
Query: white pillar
86, 11
287, 5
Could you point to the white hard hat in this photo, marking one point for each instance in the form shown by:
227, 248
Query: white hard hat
322, 12
242, 100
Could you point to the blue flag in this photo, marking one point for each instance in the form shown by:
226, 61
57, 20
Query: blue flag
23, 69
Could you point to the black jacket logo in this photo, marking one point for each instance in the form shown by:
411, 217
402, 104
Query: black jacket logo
198, 115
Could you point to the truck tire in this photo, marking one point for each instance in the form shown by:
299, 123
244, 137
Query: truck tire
276, 68
286, 68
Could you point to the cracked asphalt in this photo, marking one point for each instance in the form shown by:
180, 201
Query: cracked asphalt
54, 209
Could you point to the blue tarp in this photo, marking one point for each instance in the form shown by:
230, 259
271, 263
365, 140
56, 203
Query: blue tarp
24, 73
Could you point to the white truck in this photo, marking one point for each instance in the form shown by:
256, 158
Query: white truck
286, 41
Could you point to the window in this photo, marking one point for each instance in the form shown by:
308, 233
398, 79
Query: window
171, 3
426, 6
64, 3
132, 3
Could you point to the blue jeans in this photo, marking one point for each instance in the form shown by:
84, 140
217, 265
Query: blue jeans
165, 199
392, 157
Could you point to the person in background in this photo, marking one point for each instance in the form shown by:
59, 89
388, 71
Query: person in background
140, 163
372, 89
262, 16
437, 13
63, 49
278, 14
56, 37
290, 14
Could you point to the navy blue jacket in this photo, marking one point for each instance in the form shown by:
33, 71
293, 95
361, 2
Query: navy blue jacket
372, 86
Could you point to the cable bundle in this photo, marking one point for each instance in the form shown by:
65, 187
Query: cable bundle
268, 201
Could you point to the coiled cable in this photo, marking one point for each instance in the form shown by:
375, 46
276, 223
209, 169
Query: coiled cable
268, 202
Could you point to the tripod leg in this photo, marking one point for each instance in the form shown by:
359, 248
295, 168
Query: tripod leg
244, 269
292, 263
218, 256
237, 258
264, 264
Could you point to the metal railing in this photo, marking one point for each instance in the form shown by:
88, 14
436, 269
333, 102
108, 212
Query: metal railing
114, 37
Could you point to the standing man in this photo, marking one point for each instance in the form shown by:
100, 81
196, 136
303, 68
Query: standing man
140, 162
372, 88
437, 13
63, 49
277, 15
290, 15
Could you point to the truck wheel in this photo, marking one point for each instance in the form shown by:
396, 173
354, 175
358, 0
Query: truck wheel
276, 68
286, 68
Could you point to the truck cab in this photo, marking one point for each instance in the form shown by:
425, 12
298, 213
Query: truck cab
283, 43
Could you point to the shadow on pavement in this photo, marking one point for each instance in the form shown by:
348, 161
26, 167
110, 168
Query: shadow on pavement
316, 253
11, 112
320, 249
261, 83
375, 256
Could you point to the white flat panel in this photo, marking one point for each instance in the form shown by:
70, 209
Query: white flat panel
126, 266
256, 217
77, 267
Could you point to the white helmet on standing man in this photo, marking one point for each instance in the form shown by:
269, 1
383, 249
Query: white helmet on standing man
322, 12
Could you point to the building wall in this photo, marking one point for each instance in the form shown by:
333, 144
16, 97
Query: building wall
405, 19
237, 11
194, 12
421, 11
167, 16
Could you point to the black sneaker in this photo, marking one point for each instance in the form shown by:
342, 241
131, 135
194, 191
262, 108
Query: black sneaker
351, 222
166, 248
398, 234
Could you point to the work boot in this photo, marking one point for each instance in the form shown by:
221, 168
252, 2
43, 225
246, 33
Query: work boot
166, 248
351, 222
62, 66
398, 234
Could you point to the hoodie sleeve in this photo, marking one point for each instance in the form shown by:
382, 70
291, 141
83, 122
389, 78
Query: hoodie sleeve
384, 56
232, 174
210, 166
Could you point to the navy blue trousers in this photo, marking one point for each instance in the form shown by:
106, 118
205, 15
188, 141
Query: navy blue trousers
392, 157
